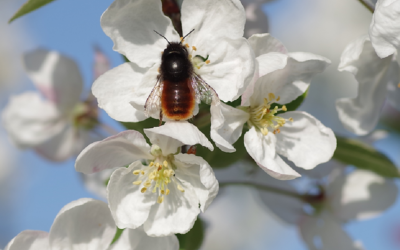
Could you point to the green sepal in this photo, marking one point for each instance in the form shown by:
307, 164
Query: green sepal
29, 6
293, 105
117, 235
194, 238
363, 156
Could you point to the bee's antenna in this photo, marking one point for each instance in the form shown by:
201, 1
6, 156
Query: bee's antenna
186, 35
162, 36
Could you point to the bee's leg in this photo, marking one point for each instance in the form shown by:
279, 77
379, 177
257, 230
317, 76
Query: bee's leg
161, 116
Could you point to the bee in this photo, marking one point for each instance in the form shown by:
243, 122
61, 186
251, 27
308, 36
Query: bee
178, 87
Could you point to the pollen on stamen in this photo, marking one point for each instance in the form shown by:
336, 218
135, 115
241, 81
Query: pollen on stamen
187, 45
208, 61
160, 199
143, 190
194, 48
167, 192
284, 108
291, 119
137, 182
136, 172
180, 188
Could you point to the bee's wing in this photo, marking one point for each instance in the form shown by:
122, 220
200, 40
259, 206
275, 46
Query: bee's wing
153, 102
204, 92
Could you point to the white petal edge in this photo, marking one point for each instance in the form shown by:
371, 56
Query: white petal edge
115, 90
129, 207
361, 195
360, 114
196, 171
56, 76
262, 149
174, 134
226, 125
137, 239
305, 141
115, 151
384, 30
83, 224
131, 25
29, 240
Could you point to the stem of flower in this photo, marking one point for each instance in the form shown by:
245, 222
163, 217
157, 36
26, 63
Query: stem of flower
367, 5
266, 188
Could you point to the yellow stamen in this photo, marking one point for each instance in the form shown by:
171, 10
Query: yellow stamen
136, 172
194, 48
165, 163
137, 182
180, 188
160, 199
284, 108
208, 61
167, 192
186, 45
143, 190
271, 96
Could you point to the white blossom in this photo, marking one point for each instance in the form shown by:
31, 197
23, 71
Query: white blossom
218, 36
378, 80
161, 189
52, 121
87, 224
280, 78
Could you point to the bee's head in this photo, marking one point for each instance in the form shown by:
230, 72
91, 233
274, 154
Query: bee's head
175, 48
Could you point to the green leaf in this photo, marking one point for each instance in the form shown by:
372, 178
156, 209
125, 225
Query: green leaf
293, 105
363, 156
194, 238
29, 6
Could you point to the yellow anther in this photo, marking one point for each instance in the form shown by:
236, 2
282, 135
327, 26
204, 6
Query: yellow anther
271, 96
143, 190
208, 61
151, 164
147, 184
137, 182
277, 99
284, 108
291, 119
182, 39
152, 175
194, 48
198, 67
162, 192
160, 199
180, 188
186, 45
136, 172
142, 172
165, 163
167, 192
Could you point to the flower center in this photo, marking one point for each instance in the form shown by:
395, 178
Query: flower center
264, 118
156, 177
85, 115
198, 61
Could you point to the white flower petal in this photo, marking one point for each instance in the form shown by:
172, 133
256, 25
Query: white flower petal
331, 234
266, 64
56, 76
226, 125
82, 224
176, 214
262, 149
231, 66
361, 195
29, 240
360, 115
291, 81
115, 151
223, 18
137, 239
196, 171
265, 43
129, 207
393, 94
174, 134
61, 146
115, 90
385, 27
96, 182
131, 25
305, 141
30, 120
143, 90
